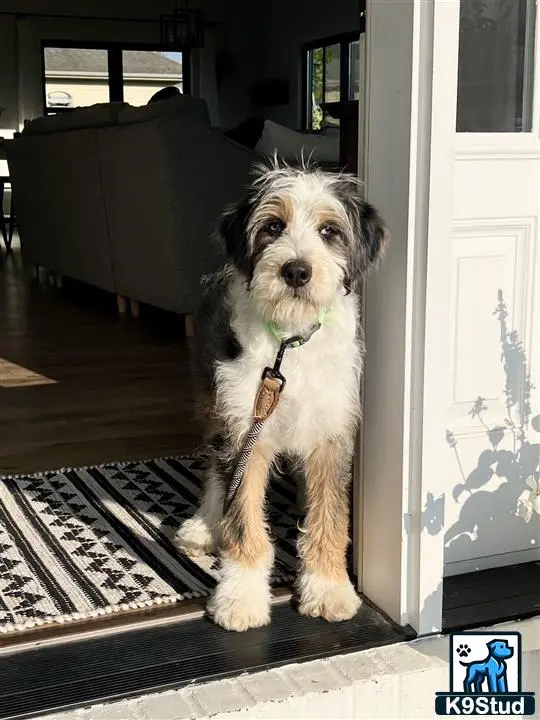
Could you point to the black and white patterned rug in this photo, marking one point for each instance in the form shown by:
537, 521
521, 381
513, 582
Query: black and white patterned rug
84, 543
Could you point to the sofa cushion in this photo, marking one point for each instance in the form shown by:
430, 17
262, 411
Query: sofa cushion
182, 106
290, 144
99, 115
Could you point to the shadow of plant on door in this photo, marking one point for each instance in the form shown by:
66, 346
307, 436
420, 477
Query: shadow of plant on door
511, 460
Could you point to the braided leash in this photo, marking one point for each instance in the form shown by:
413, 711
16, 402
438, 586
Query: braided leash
266, 402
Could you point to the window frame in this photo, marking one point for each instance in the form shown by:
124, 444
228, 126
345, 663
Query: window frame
344, 40
115, 66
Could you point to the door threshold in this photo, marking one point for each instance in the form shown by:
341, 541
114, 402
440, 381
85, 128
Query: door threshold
112, 624
87, 670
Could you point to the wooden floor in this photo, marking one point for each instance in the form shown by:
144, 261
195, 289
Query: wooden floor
80, 384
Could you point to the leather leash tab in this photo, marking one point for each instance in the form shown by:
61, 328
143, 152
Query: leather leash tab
267, 398
266, 401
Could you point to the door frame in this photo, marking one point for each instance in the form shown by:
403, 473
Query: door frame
411, 94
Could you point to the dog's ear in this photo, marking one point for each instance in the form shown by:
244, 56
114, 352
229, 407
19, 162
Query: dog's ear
233, 232
373, 232
369, 234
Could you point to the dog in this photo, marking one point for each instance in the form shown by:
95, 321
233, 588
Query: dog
492, 669
298, 245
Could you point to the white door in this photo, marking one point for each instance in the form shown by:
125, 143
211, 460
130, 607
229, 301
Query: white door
494, 413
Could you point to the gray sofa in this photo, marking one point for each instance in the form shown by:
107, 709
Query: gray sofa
126, 198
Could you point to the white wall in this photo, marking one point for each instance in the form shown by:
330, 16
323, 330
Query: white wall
288, 24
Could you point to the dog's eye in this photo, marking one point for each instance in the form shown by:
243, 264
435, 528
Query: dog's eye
275, 227
327, 231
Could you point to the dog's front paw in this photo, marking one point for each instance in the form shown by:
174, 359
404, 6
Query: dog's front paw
195, 537
334, 600
238, 613
242, 598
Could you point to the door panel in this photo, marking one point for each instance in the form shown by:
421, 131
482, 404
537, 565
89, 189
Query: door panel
494, 411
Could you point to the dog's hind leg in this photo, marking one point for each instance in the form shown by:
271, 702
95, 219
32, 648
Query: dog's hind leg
478, 683
242, 597
198, 535
324, 586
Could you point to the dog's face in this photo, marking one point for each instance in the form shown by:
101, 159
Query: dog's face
301, 237
500, 649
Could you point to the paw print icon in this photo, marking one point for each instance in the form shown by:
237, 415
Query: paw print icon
463, 651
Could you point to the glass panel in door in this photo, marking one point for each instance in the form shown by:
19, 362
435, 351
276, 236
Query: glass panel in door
496, 59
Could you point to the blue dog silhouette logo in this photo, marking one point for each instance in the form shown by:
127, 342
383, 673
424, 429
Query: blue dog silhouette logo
488, 675
485, 676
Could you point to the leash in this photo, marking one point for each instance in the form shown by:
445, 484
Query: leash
267, 398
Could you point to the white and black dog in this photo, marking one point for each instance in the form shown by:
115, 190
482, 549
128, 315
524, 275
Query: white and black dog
298, 248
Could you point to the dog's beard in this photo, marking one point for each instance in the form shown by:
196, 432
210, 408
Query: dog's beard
288, 308
294, 308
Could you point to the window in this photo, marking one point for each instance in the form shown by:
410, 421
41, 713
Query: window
496, 61
79, 76
332, 76
145, 72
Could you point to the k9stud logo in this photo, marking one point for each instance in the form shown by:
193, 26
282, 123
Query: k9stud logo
485, 676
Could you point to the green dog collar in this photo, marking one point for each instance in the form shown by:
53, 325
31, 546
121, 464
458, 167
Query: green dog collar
280, 336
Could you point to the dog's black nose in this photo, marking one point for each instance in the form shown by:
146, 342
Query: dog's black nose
296, 273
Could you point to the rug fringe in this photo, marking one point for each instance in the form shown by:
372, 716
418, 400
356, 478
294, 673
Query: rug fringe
98, 612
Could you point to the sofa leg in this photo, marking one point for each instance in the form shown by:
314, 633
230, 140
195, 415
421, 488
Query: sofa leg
134, 308
121, 301
190, 326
